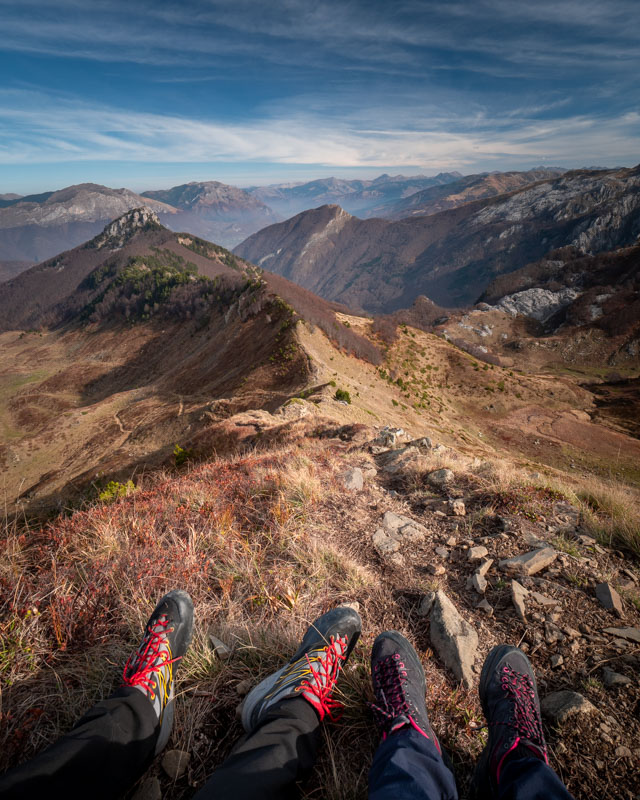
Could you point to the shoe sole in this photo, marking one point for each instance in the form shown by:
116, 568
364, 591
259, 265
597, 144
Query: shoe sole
265, 685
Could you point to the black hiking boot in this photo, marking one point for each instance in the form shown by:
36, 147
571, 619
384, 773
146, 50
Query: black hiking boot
399, 687
152, 667
312, 671
511, 706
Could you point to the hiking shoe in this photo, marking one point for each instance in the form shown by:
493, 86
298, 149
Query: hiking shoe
511, 706
399, 687
152, 667
313, 670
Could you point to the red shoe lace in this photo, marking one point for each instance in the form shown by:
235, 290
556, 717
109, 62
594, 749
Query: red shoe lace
318, 689
391, 676
144, 662
525, 718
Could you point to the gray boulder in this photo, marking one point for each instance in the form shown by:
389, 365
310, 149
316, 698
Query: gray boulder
559, 706
440, 477
454, 639
353, 479
529, 563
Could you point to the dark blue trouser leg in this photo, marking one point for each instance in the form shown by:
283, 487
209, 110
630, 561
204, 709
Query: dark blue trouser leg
525, 777
408, 766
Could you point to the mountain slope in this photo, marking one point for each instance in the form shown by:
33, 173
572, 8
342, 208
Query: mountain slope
137, 340
213, 210
451, 256
464, 190
39, 226
355, 196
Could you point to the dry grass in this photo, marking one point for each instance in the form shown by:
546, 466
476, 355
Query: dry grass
611, 512
264, 543
242, 535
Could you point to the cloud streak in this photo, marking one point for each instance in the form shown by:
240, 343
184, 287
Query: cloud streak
72, 131
433, 84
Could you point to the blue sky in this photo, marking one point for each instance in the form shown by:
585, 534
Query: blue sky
148, 93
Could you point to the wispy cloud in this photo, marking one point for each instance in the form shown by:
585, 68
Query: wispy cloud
468, 84
72, 131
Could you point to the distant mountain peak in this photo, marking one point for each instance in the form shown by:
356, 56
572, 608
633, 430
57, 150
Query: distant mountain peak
117, 233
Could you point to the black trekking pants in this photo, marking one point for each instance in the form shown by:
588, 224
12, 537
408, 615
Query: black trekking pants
112, 746
99, 759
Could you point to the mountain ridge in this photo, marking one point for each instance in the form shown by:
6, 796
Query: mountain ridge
381, 265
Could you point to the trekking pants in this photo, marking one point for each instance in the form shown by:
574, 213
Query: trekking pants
111, 747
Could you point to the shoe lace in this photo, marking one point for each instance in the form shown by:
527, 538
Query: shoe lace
525, 718
391, 676
323, 669
152, 657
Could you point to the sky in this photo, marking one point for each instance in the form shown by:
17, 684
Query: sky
149, 94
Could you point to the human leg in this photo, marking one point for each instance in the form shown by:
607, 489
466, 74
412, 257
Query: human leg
409, 763
282, 716
514, 764
111, 746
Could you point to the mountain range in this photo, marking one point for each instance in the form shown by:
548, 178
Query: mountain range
450, 256
36, 227
357, 197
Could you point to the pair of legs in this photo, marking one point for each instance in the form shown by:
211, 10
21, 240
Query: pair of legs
114, 743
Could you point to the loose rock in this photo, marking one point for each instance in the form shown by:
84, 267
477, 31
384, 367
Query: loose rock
632, 634
149, 789
529, 563
437, 569
612, 679
426, 604
440, 477
556, 661
353, 479
387, 547
395, 532
552, 633
406, 460
457, 508
477, 582
175, 763
454, 639
609, 598
542, 599
559, 706
485, 606
518, 596
477, 553
484, 567
219, 647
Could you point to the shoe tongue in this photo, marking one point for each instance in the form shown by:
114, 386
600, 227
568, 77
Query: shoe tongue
399, 722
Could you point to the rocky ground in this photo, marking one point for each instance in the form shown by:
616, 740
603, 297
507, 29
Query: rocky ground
471, 569
458, 554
